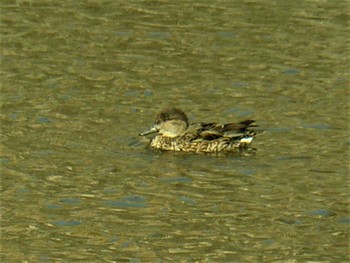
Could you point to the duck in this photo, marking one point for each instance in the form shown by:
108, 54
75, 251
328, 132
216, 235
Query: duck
173, 132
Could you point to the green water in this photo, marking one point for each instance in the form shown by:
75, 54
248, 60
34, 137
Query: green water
81, 79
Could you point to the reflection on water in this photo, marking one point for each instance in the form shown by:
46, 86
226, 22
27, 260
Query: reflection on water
81, 80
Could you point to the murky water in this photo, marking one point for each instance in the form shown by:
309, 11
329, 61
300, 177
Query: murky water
81, 79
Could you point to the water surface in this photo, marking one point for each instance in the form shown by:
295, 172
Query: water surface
80, 80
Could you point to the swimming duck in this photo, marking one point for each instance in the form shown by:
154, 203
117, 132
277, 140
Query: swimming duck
174, 133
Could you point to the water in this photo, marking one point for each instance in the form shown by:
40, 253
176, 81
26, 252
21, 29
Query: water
81, 80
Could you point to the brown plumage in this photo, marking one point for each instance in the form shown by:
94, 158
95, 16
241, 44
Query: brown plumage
175, 134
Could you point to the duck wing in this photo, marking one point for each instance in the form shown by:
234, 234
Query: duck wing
212, 131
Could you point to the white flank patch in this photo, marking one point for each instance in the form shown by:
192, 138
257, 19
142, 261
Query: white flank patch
247, 140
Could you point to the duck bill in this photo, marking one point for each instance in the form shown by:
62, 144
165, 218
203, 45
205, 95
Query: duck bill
153, 129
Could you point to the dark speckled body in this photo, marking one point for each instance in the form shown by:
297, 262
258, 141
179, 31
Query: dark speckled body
175, 134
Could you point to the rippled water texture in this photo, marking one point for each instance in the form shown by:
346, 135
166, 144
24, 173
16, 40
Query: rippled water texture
81, 79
